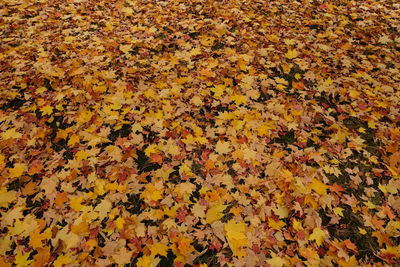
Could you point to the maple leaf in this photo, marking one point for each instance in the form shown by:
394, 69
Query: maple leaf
63, 259
338, 211
5, 244
144, 261
133, 135
61, 198
318, 235
80, 228
152, 193
75, 203
276, 261
222, 147
17, 170
196, 100
81, 155
276, 224
235, 233
123, 256
350, 245
215, 213
291, 54
218, 90
159, 249
103, 208
6, 197
42, 258
318, 187
151, 149
281, 211
119, 223
21, 259
393, 172
36, 238
74, 139
156, 158
125, 48
184, 246
47, 110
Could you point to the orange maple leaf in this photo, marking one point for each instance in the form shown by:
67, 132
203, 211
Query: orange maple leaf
156, 158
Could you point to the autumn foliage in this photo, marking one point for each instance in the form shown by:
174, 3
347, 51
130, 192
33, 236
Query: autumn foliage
199, 133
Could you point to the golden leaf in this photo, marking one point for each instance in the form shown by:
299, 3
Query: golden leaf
318, 235
215, 213
291, 54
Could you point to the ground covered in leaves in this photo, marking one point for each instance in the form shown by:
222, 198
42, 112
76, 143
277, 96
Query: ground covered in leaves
199, 133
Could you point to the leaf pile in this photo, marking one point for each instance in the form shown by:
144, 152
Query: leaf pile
199, 133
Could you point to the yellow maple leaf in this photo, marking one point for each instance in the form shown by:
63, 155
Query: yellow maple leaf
119, 223
276, 261
21, 260
103, 208
272, 37
63, 259
17, 170
264, 130
318, 187
151, 149
195, 51
277, 225
143, 261
159, 249
218, 90
352, 261
47, 110
184, 189
74, 139
222, 147
150, 93
235, 234
318, 235
362, 231
291, 54
84, 116
75, 203
6, 197
152, 193
281, 211
2, 162
253, 94
63, 133
281, 81
125, 48
215, 213
184, 169
239, 99
393, 171
338, 211
41, 89
80, 228
81, 155
128, 11
10, 134
297, 225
